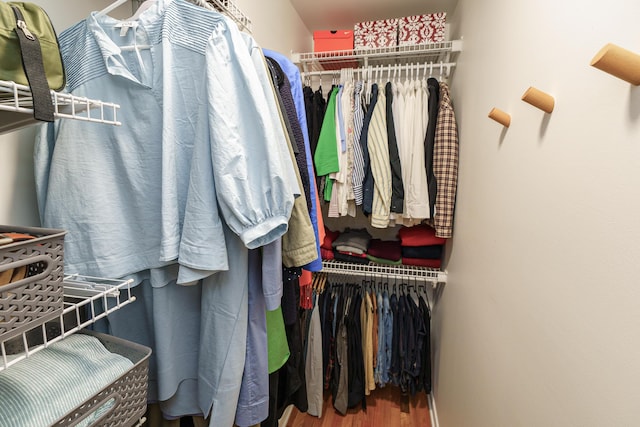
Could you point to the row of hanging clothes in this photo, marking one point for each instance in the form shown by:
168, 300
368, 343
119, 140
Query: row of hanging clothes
385, 142
203, 196
367, 333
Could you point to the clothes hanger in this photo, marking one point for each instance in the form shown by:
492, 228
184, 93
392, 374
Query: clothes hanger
367, 84
111, 7
421, 289
415, 290
144, 6
203, 3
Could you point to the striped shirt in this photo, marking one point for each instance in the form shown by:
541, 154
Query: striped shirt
380, 166
347, 205
358, 157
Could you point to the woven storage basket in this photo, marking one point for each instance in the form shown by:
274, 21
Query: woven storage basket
129, 391
38, 297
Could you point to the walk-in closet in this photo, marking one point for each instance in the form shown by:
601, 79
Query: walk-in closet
296, 213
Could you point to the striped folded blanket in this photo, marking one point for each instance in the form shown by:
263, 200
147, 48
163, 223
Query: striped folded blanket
37, 391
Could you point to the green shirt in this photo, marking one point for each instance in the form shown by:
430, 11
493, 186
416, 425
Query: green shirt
326, 155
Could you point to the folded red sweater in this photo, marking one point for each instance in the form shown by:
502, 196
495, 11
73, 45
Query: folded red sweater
419, 235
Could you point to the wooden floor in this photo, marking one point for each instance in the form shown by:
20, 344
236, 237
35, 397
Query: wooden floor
384, 409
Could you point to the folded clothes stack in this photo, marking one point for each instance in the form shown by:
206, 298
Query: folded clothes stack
385, 252
420, 246
39, 390
352, 245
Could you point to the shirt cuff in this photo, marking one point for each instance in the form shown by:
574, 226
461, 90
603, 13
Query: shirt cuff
265, 232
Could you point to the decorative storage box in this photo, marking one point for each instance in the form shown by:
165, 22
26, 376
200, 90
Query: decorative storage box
375, 34
421, 29
35, 293
128, 394
324, 41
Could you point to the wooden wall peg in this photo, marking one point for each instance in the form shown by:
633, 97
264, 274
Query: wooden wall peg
539, 99
618, 62
500, 116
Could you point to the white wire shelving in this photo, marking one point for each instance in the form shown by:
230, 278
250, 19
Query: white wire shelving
86, 300
16, 107
226, 7
438, 54
394, 272
230, 9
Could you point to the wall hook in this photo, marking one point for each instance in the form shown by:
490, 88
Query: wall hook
618, 62
500, 116
539, 99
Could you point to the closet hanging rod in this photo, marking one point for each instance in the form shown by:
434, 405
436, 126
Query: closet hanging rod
394, 272
433, 66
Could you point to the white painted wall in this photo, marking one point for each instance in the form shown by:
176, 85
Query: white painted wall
540, 320
276, 25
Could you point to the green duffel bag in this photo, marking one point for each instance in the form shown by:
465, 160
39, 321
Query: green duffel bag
30, 55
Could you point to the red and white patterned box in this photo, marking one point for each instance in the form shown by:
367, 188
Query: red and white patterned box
372, 34
421, 29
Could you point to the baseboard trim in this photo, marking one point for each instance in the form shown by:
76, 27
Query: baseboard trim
433, 412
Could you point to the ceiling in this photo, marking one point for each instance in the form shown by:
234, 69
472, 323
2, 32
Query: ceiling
343, 14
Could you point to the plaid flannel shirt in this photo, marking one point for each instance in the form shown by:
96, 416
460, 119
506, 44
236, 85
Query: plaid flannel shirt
445, 165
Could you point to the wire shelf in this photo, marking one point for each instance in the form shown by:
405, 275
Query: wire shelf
429, 53
16, 107
402, 272
87, 299
230, 9
226, 7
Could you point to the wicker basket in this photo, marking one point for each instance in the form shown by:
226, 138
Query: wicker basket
38, 297
127, 394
